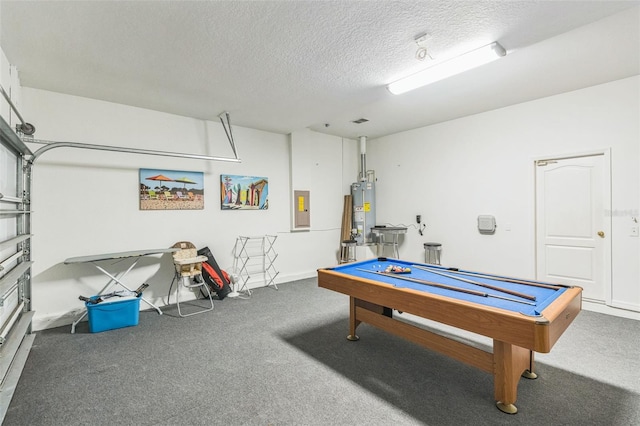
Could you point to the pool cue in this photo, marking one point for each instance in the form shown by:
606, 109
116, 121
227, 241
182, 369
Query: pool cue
492, 287
508, 280
446, 287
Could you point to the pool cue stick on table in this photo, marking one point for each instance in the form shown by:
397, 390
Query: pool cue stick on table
508, 280
446, 287
492, 287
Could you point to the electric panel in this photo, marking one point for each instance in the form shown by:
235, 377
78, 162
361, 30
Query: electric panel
302, 215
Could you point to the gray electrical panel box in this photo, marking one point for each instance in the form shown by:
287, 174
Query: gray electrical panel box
302, 213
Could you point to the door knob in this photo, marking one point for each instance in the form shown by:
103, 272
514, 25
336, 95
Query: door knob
601, 234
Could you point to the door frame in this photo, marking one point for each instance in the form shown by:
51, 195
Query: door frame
606, 220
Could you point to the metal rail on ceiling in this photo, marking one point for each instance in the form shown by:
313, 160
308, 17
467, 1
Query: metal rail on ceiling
26, 130
49, 145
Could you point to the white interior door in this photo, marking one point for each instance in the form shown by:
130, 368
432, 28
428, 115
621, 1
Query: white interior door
572, 230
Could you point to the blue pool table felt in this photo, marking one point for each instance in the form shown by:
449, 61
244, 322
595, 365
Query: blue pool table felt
543, 296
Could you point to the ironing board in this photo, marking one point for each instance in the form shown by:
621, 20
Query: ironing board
136, 255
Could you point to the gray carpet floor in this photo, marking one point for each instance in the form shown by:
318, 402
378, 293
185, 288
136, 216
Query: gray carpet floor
281, 358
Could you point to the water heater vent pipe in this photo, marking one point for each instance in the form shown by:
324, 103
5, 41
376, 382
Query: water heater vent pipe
363, 158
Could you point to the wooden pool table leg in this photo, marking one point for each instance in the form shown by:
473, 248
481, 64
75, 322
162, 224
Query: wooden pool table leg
353, 322
510, 362
354, 305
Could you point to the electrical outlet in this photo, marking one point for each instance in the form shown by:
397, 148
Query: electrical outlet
418, 218
634, 231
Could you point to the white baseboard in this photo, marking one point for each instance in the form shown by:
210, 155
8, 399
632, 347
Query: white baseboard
67, 318
610, 310
626, 306
53, 321
295, 277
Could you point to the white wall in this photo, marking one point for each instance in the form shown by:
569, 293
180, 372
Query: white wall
11, 84
86, 202
483, 164
5, 75
315, 167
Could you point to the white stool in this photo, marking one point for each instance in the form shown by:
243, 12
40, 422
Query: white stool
348, 251
432, 253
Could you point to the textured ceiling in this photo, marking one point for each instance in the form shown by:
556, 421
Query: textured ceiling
287, 65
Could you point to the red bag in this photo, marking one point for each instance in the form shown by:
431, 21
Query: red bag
217, 279
218, 283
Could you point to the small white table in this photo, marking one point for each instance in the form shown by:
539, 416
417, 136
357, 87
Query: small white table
135, 255
383, 232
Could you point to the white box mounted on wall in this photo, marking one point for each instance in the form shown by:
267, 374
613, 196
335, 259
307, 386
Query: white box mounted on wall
486, 224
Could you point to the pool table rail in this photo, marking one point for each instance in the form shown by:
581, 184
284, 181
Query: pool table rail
538, 334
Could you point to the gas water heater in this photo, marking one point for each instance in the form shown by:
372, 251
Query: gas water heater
364, 212
363, 194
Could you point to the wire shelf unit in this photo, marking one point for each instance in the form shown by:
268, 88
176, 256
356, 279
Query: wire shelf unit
253, 262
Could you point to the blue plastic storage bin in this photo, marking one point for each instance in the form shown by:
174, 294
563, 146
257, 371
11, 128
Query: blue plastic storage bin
109, 315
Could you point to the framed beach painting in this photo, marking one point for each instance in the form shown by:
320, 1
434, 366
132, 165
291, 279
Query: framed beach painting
171, 190
244, 192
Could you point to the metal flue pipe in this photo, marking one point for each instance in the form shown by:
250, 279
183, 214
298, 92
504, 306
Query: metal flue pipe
363, 158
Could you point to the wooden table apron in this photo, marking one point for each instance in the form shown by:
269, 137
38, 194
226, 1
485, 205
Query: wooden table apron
515, 336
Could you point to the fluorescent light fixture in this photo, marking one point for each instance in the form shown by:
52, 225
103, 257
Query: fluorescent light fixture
453, 66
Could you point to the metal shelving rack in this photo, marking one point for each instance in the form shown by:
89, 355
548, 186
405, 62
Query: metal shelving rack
253, 259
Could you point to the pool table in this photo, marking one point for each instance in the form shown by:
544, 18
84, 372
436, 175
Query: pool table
521, 316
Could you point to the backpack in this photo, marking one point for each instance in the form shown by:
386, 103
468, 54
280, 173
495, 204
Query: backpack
217, 279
